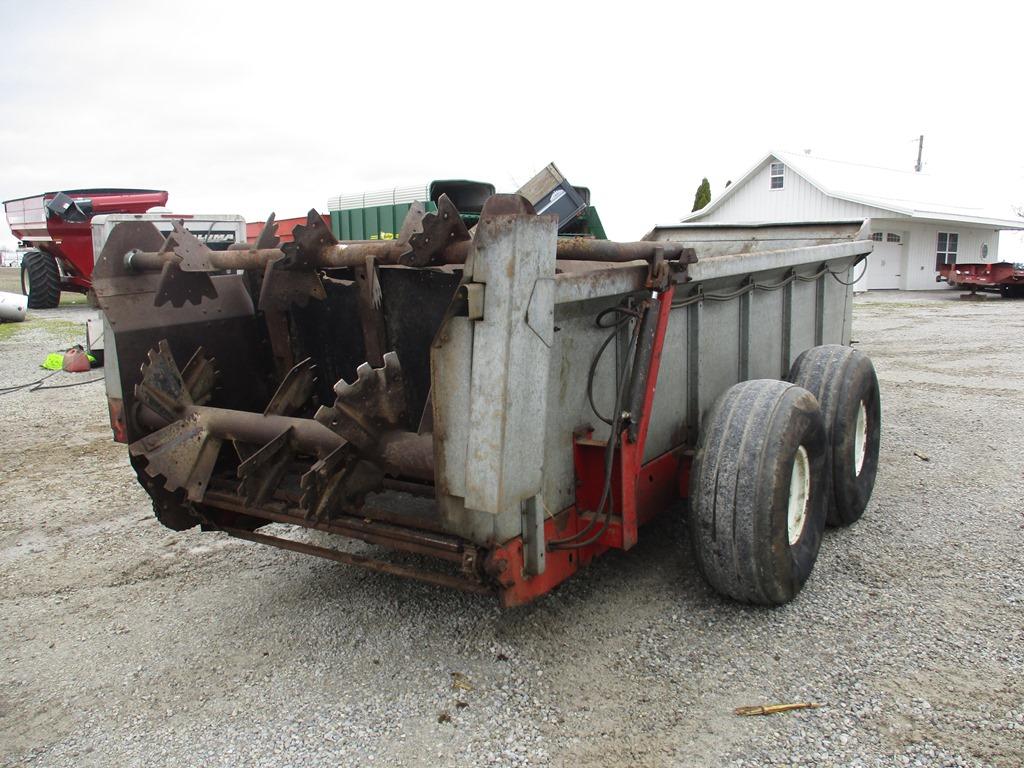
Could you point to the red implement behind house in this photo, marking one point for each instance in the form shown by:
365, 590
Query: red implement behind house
1004, 277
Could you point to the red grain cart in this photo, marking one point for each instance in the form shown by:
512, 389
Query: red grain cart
56, 227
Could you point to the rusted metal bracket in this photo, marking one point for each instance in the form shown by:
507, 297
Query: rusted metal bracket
437, 231
658, 272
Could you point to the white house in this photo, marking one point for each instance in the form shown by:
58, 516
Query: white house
916, 220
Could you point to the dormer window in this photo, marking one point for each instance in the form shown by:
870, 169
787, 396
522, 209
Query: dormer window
778, 175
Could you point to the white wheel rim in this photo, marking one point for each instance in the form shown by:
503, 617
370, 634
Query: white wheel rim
799, 494
860, 439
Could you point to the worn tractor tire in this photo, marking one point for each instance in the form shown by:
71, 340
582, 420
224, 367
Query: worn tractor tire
759, 491
40, 280
844, 381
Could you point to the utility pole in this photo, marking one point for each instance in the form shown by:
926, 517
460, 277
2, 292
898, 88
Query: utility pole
920, 146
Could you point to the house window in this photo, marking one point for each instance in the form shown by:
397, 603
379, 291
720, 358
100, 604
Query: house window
945, 248
876, 236
892, 237
778, 175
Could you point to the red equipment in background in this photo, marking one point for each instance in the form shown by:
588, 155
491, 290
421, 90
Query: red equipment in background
284, 228
56, 226
1004, 277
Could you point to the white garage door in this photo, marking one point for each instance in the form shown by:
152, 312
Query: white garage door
885, 264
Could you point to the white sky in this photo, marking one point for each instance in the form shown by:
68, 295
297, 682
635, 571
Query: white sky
243, 107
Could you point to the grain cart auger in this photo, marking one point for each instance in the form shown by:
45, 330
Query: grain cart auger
496, 407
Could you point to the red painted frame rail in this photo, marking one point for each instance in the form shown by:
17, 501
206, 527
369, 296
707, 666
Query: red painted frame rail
639, 492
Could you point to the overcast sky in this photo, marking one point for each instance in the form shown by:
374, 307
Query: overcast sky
243, 107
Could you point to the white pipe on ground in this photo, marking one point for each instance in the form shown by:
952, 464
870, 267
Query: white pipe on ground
12, 307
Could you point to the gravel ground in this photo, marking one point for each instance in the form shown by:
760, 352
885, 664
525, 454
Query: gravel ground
125, 644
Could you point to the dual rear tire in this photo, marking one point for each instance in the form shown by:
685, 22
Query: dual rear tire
843, 381
776, 461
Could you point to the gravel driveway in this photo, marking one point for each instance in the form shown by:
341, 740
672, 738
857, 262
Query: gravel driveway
124, 644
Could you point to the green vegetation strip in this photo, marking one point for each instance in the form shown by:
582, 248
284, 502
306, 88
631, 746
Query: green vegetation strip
65, 329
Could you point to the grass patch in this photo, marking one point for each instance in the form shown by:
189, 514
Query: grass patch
7, 330
62, 328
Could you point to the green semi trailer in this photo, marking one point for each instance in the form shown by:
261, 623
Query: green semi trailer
379, 215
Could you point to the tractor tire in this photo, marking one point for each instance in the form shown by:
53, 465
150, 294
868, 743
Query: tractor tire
844, 382
40, 280
760, 491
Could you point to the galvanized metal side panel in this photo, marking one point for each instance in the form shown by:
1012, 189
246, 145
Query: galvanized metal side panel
568, 411
766, 337
451, 367
450, 374
718, 351
508, 389
668, 427
711, 345
803, 321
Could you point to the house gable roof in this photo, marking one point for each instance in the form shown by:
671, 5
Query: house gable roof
904, 193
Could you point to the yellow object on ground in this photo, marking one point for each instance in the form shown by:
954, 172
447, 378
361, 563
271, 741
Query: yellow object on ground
55, 361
